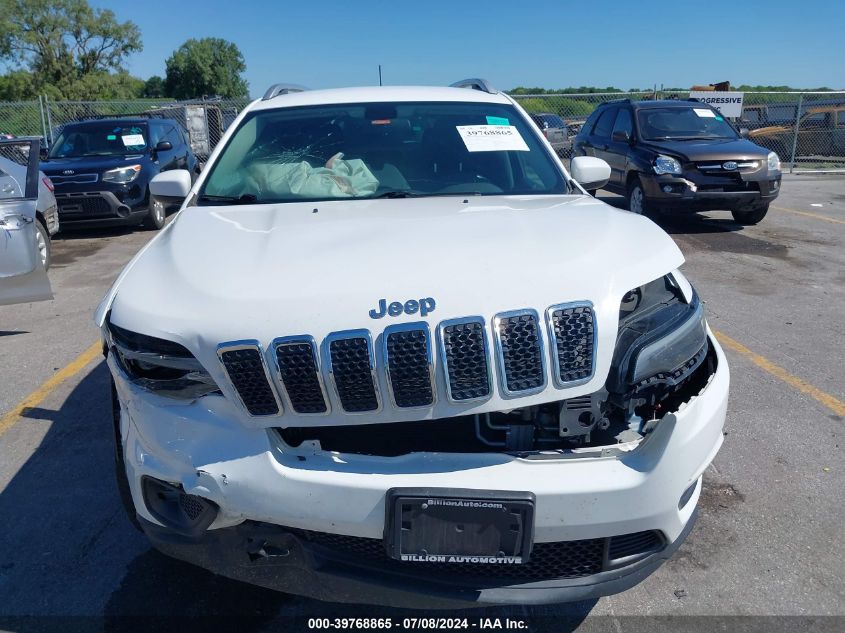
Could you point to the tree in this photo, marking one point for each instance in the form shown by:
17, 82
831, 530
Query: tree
209, 66
154, 88
66, 45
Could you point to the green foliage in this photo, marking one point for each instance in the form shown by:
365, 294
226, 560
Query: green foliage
17, 85
68, 49
154, 88
209, 66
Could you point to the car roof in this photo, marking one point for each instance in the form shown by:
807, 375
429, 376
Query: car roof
379, 94
660, 103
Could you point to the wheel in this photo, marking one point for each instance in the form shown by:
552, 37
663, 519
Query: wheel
636, 198
119, 466
42, 239
156, 213
751, 216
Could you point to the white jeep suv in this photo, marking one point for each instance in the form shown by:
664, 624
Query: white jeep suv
390, 351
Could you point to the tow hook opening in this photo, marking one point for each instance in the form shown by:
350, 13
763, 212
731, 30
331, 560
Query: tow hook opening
185, 514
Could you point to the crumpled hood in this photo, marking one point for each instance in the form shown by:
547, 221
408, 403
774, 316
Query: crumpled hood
259, 272
717, 150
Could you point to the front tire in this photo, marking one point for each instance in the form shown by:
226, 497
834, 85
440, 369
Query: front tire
45, 249
635, 199
156, 213
751, 216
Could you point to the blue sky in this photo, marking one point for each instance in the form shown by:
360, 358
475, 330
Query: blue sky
628, 44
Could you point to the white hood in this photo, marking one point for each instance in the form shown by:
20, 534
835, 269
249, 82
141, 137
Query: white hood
260, 272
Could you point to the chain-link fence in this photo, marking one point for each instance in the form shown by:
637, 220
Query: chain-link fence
806, 129
204, 121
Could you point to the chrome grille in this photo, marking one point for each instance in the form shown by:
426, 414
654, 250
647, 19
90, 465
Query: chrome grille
244, 364
463, 350
296, 359
347, 362
519, 346
572, 338
407, 357
351, 364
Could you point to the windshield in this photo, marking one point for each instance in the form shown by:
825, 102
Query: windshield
372, 150
680, 123
100, 139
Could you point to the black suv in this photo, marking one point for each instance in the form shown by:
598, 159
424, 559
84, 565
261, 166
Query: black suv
680, 156
101, 169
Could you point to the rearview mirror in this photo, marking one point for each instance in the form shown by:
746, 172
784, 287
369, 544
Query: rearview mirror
590, 172
171, 185
621, 136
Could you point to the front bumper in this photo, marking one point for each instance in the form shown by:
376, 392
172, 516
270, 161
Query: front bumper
253, 479
124, 205
695, 191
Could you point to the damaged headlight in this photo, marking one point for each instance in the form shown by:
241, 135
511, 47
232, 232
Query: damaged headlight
159, 366
662, 336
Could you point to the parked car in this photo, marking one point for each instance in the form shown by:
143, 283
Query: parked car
23, 276
821, 132
13, 164
680, 156
101, 169
556, 132
410, 361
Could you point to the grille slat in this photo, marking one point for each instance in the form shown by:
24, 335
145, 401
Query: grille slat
520, 350
409, 365
298, 371
572, 331
352, 370
463, 346
245, 367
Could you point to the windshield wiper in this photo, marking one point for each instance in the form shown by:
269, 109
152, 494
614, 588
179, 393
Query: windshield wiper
245, 198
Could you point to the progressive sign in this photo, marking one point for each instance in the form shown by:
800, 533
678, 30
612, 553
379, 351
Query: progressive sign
728, 103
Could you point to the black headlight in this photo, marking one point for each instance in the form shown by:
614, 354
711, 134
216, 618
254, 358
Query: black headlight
157, 365
661, 335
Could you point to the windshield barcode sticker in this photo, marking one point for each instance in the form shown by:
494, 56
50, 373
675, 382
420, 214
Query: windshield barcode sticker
704, 113
492, 138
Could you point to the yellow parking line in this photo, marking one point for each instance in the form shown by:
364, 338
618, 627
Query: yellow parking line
810, 215
39, 395
829, 401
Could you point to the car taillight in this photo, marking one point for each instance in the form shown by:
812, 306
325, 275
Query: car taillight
47, 183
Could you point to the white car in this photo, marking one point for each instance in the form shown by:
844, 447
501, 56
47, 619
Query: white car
27, 215
401, 357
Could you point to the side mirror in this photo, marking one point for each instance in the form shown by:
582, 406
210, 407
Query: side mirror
42, 153
163, 146
743, 132
621, 136
171, 185
590, 172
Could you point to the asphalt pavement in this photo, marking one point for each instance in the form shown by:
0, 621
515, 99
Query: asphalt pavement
769, 538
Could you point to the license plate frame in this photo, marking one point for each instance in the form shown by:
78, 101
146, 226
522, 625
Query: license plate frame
446, 525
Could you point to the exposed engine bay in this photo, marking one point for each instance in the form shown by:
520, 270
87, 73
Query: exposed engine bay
601, 419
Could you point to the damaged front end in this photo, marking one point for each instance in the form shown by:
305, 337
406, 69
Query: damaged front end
662, 359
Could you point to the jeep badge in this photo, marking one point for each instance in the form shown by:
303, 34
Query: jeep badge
411, 306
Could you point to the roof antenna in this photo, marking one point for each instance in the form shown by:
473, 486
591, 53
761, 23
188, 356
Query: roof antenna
379, 75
